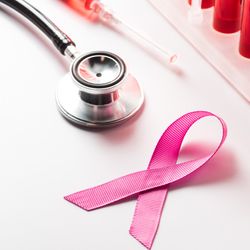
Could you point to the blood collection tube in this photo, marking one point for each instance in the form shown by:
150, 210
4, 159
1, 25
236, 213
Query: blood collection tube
205, 4
227, 15
245, 30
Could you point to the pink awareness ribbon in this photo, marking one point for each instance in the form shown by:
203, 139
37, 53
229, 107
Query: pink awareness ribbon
151, 185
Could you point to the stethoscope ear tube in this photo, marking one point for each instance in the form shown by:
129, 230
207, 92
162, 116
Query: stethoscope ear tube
60, 40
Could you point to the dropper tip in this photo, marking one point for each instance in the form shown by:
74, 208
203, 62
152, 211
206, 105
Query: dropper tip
173, 58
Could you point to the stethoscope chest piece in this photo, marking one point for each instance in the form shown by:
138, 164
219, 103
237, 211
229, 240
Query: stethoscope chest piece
98, 91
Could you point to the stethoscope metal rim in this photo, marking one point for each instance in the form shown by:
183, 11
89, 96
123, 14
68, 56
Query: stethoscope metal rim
84, 84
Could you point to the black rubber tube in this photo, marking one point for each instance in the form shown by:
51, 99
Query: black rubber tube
59, 38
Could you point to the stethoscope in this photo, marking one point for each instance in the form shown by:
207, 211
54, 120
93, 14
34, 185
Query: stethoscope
98, 91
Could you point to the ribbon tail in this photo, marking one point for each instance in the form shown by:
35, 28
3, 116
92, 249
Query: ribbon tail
147, 216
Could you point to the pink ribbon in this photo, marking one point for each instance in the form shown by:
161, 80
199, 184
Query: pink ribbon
151, 185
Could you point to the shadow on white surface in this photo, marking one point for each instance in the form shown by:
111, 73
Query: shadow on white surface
222, 167
121, 133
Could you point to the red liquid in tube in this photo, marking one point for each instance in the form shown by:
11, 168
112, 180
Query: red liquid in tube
227, 15
205, 3
83, 8
87, 4
245, 30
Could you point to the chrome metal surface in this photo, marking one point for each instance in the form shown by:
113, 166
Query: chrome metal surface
123, 104
71, 52
99, 69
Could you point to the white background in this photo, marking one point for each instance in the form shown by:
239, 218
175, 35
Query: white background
43, 157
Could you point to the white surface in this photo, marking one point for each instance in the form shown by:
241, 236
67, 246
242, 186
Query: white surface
44, 158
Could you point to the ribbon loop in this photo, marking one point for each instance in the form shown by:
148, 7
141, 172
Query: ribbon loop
150, 185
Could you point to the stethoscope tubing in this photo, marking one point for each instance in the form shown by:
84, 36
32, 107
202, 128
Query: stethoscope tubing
60, 40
